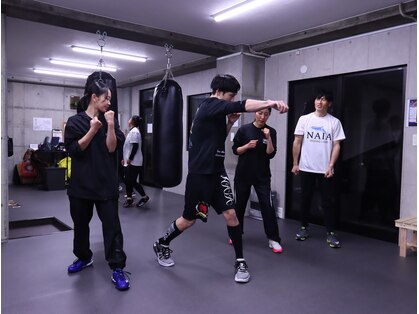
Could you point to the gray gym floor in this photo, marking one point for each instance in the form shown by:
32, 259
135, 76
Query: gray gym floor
364, 276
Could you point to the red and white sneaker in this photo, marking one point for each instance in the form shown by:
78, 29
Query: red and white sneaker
275, 246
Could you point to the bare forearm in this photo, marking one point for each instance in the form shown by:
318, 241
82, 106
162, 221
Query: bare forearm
111, 141
87, 138
335, 154
253, 105
295, 155
270, 147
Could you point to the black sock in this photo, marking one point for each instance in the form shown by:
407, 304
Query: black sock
171, 233
235, 234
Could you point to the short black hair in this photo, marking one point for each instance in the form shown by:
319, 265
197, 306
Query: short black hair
225, 83
328, 95
135, 119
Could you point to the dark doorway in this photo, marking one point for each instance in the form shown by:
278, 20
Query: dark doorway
370, 106
146, 129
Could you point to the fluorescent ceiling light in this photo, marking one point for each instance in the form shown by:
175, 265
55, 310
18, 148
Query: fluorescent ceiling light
109, 54
82, 65
60, 73
238, 9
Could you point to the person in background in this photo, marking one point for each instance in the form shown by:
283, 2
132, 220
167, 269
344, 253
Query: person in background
207, 183
315, 151
255, 143
132, 162
91, 139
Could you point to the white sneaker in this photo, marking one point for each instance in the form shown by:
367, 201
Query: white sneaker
275, 246
242, 274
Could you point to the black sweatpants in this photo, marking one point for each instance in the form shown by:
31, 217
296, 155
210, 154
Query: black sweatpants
131, 176
263, 192
81, 212
327, 193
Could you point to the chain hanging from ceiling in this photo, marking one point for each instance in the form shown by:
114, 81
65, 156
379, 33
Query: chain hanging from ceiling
169, 54
101, 42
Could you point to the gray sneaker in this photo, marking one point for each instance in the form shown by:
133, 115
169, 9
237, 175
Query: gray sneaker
163, 254
333, 240
242, 274
302, 234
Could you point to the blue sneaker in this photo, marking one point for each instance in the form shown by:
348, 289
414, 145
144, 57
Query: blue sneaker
79, 264
120, 280
332, 240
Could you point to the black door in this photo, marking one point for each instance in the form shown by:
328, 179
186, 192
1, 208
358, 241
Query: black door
370, 106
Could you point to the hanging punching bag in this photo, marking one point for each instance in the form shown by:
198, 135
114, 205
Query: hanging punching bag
167, 133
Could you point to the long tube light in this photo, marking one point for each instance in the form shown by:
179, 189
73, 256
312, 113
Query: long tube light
61, 73
82, 65
109, 54
238, 9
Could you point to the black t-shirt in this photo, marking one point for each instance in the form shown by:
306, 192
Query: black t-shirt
93, 171
208, 135
253, 165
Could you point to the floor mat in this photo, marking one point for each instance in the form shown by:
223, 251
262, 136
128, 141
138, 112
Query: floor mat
36, 227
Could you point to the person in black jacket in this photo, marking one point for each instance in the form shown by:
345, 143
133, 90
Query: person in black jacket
207, 183
91, 138
255, 143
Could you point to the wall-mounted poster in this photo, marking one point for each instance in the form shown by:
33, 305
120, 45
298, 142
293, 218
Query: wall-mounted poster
412, 113
73, 101
42, 124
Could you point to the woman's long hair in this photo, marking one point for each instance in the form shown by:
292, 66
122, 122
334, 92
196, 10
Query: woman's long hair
96, 87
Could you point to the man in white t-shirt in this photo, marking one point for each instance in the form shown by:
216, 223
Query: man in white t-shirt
315, 151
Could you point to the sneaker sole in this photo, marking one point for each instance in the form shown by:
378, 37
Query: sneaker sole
275, 250
159, 261
76, 271
333, 246
242, 280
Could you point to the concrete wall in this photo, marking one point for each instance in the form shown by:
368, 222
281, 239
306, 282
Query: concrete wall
27, 101
4, 157
391, 47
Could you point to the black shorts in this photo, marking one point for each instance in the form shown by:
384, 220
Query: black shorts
212, 189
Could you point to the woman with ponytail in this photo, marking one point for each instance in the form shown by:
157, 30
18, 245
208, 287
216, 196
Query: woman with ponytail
91, 138
133, 161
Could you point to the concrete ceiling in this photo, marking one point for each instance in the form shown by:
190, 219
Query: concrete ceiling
36, 31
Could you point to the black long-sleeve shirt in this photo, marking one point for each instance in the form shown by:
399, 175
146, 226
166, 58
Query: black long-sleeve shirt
93, 171
208, 135
254, 164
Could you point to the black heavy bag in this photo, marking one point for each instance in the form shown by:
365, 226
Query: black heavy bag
110, 81
167, 133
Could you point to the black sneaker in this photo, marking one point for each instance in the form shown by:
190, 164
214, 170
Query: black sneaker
79, 264
143, 200
120, 279
163, 254
128, 202
302, 234
242, 274
333, 240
